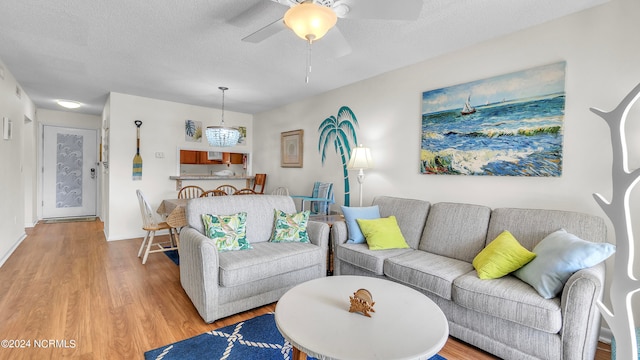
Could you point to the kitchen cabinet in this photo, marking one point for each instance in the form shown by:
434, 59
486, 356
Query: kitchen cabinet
200, 157
203, 158
188, 157
232, 158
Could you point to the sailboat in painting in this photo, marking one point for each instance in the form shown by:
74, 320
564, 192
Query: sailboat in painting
468, 109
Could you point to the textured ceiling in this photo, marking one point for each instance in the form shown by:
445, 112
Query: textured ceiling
182, 51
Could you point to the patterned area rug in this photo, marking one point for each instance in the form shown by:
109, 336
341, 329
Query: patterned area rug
173, 255
256, 338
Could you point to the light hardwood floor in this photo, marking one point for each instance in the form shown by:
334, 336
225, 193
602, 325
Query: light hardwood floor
67, 293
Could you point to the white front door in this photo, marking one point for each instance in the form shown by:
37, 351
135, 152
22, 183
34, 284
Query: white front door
69, 181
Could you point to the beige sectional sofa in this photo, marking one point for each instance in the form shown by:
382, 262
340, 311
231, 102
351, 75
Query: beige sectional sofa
504, 316
222, 283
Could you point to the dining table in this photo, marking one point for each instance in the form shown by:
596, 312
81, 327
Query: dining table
174, 211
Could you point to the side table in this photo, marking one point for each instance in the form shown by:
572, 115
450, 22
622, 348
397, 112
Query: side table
329, 220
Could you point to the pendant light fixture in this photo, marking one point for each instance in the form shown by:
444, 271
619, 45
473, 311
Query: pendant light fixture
222, 136
310, 22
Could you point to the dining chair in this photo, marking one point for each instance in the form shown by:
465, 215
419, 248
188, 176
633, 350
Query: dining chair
190, 192
280, 190
229, 189
214, 192
151, 223
259, 180
324, 191
245, 191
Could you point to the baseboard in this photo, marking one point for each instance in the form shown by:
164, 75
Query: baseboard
13, 248
605, 335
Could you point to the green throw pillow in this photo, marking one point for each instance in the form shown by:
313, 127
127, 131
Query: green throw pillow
290, 227
502, 256
227, 231
382, 233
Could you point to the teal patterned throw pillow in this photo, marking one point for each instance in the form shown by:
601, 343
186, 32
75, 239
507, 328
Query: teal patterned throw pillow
227, 231
290, 227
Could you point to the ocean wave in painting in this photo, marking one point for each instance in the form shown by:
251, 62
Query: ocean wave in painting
518, 138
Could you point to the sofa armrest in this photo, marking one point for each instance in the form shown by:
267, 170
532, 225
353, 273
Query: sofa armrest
318, 233
339, 233
199, 272
580, 314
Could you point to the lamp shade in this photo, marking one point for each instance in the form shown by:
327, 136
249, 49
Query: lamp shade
221, 136
310, 21
360, 159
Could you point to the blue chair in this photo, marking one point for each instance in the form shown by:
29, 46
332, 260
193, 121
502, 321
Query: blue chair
322, 191
320, 199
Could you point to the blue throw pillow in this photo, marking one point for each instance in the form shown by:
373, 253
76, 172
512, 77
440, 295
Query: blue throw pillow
558, 256
353, 213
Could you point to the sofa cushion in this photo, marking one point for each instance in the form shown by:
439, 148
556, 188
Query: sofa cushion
351, 214
456, 230
502, 256
266, 259
290, 227
530, 226
411, 215
371, 260
259, 209
383, 233
508, 298
429, 272
559, 255
228, 232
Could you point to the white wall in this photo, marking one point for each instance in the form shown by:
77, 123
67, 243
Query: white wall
16, 185
162, 131
600, 48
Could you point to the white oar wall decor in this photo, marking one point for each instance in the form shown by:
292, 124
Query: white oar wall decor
624, 283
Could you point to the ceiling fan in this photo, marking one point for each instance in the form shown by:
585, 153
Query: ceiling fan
343, 9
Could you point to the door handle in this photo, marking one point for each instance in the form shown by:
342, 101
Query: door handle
93, 173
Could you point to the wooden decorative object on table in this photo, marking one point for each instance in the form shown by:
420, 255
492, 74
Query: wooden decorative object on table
362, 302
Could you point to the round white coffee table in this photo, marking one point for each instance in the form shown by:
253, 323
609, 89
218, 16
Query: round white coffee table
314, 317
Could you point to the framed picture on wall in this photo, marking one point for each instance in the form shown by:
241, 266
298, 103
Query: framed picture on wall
506, 125
291, 148
192, 130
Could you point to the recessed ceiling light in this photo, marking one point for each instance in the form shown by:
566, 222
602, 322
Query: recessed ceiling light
69, 104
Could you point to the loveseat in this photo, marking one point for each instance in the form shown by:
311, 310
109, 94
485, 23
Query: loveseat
505, 316
222, 283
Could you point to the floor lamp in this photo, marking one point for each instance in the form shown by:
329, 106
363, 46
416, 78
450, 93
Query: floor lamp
360, 160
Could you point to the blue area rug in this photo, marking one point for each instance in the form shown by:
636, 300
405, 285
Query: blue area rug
256, 338
173, 255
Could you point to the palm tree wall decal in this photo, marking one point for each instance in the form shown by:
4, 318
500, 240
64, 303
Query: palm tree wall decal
338, 130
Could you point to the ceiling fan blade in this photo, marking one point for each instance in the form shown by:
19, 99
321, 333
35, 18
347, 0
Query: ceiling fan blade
333, 44
251, 13
267, 31
382, 9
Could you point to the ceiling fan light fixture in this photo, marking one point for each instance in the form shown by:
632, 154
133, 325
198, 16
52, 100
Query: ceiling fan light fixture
310, 21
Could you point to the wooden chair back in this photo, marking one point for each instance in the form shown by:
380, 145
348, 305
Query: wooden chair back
229, 189
259, 180
213, 193
190, 192
245, 191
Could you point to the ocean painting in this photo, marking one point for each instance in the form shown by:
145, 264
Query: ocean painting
508, 125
